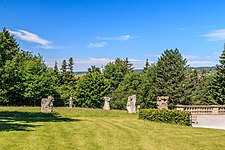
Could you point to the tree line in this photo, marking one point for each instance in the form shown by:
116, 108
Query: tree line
25, 79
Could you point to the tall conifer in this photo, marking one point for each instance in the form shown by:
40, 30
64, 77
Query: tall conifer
218, 83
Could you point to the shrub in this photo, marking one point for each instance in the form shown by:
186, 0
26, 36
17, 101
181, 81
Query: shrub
166, 116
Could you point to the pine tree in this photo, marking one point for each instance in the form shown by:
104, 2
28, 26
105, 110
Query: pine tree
170, 74
64, 66
146, 67
56, 70
91, 89
147, 90
8, 47
70, 65
218, 83
190, 85
203, 93
115, 71
94, 69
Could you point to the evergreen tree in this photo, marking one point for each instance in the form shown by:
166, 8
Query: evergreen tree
146, 67
170, 74
218, 83
8, 47
56, 70
129, 86
26, 80
68, 81
203, 93
190, 86
115, 72
70, 65
147, 90
94, 69
64, 66
91, 89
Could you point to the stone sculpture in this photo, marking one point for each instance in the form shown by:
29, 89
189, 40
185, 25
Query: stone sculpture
106, 104
131, 107
71, 102
47, 104
162, 102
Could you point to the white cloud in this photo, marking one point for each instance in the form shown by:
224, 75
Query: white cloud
31, 37
119, 38
216, 35
134, 60
191, 56
97, 45
85, 63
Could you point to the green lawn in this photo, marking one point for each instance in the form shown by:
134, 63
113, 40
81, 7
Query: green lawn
27, 128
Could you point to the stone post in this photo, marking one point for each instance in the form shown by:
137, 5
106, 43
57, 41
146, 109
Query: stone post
106, 104
71, 102
215, 111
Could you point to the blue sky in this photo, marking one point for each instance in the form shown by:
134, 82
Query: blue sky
95, 32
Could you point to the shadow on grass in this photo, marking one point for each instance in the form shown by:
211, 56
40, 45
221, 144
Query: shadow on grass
5, 126
18, 121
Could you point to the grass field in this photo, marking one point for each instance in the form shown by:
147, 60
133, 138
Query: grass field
27, 128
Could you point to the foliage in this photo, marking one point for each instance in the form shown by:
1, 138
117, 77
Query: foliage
166, 116
203, 93
127, 87
56, 70
8, 47
94, 69
67, 82
70, 64
91, 89
24, 77
170, 76
147, 91
218, 83
26, 80
190, 87
64, 66
115, 72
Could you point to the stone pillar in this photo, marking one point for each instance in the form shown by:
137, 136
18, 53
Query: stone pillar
215, 111
106, 104
71, 102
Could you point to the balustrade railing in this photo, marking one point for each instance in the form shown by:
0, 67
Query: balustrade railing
203, 110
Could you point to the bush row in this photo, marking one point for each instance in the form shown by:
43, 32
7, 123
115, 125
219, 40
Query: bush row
166, 116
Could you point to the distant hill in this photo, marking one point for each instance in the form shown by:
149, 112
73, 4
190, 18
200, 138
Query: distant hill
199, 69
80, 72
206, 69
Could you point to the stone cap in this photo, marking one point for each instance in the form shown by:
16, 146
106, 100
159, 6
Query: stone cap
201, 106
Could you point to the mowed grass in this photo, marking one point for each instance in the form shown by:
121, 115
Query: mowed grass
77, 128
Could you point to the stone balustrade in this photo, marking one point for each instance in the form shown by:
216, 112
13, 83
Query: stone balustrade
203, 110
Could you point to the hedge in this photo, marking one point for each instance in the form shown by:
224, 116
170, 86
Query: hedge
166, 116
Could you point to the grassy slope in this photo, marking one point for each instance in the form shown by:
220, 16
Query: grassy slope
97, 129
